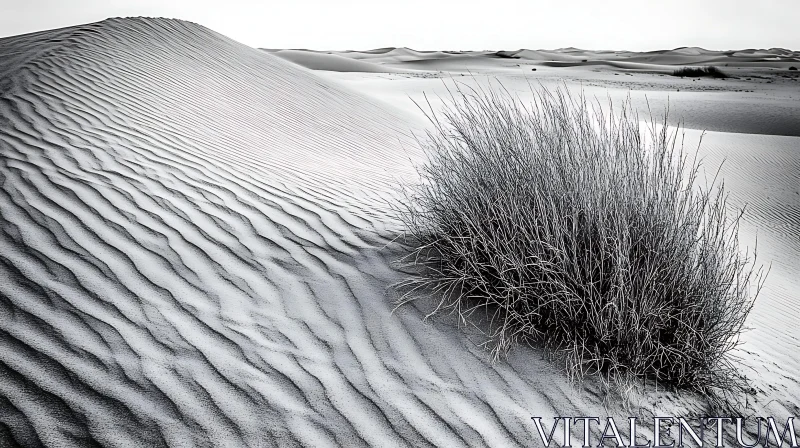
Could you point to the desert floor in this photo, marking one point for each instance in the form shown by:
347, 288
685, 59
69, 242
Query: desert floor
196, 240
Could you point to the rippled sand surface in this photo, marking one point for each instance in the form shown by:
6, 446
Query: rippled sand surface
193, 252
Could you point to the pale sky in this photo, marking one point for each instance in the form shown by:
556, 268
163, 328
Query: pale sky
448, 24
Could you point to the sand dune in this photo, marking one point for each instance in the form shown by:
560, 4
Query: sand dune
193, 253
399, 57
331, 62
759, 97
403, 55
542, 55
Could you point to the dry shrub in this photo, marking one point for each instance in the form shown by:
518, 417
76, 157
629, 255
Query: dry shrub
701, 72
582, 231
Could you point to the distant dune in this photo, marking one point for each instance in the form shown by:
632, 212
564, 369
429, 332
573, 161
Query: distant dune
332, 62
776, 57
759, 96
401, 55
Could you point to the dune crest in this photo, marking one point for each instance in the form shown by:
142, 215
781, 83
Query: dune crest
331, 62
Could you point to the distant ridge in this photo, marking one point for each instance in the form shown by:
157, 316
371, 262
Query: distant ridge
568, 56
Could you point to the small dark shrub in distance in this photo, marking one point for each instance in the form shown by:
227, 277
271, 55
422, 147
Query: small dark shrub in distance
699, 72
582, 232
793, 68
506, 54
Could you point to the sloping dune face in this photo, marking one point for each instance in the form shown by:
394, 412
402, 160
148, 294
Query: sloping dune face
191, 254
